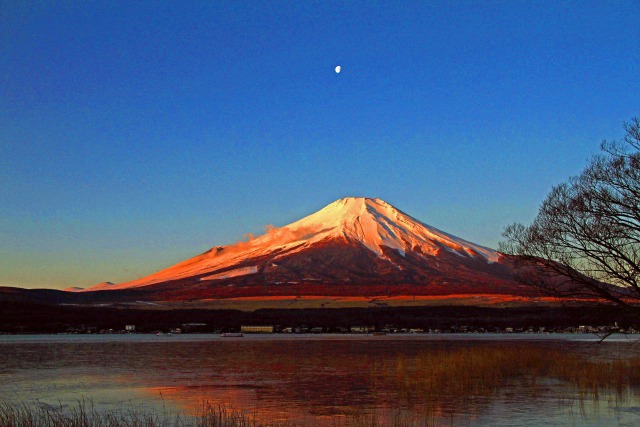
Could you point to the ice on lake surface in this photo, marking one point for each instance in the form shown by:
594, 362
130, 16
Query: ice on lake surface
456, 379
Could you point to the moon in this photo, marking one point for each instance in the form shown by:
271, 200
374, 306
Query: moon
338, 69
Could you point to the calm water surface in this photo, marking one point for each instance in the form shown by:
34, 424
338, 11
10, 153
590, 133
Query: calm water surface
312, 380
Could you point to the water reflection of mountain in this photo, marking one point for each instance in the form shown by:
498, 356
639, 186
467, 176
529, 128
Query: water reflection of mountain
324, 379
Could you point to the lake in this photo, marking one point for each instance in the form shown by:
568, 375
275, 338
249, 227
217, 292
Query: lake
457, 379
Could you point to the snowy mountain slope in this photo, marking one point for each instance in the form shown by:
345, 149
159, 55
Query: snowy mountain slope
374, 240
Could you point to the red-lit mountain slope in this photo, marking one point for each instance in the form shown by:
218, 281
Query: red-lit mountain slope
352, 247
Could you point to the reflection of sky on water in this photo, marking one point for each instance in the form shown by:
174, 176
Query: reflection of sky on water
316, 378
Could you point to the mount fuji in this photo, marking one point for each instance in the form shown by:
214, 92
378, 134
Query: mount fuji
352, 247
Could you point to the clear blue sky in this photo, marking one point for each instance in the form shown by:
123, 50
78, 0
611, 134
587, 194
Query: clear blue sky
137, 134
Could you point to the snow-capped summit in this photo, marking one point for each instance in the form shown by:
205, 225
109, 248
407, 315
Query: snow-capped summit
375, 223
354, 239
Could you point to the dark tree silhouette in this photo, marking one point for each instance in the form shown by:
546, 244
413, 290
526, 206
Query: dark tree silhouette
585, 240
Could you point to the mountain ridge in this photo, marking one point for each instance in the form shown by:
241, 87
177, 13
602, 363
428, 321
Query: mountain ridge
387, 233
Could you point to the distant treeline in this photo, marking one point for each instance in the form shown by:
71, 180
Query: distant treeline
25, 317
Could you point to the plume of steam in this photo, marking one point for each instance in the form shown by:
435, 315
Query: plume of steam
271, 234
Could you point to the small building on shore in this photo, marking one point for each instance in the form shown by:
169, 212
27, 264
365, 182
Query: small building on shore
256, 329
362, 329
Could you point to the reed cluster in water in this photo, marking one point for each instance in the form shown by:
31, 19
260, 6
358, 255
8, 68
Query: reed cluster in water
442, 380
84, 414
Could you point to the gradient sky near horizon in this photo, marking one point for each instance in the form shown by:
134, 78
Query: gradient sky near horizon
134, 135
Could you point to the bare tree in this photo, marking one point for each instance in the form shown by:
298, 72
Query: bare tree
585, 240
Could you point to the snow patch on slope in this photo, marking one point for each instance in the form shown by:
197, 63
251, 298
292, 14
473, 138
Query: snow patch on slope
232, 273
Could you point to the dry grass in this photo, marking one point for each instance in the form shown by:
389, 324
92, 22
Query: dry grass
84, 414
338, 301
445, 379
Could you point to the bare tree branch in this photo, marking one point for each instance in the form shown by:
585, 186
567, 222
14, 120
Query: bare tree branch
585, 240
